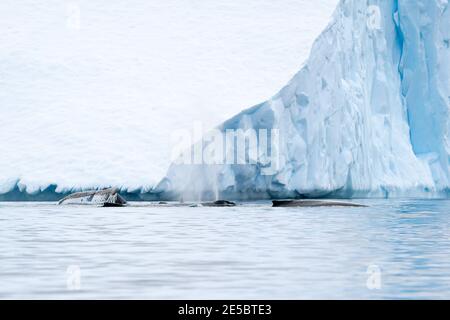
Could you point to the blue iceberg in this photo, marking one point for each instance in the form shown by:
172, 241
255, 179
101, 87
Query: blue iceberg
366, 116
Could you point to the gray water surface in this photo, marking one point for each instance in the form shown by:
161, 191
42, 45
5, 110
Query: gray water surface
393, 249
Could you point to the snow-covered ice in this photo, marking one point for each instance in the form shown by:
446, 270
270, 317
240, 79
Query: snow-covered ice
90, 91
367, 115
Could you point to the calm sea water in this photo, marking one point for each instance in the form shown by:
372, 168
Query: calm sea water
393, 249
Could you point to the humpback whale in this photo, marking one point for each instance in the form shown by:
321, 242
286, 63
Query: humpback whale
219, 203
313, 203
105, 198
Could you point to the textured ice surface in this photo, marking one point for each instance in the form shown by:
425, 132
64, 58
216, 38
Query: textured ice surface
90, 91
367, 115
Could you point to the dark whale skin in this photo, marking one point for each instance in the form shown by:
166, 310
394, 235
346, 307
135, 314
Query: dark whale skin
313, 203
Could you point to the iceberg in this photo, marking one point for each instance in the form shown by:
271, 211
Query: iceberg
366, 116
88, 103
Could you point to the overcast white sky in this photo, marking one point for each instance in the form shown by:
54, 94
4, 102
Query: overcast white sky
103, 67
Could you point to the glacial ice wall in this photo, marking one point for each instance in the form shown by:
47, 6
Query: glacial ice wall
90, 91
366, 116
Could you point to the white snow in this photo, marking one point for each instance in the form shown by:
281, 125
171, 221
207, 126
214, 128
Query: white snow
368, 114
91, 90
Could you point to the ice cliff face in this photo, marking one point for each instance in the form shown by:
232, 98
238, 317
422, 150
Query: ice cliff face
367, 115
90, 91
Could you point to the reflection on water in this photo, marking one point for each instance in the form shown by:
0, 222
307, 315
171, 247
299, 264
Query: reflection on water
399, 249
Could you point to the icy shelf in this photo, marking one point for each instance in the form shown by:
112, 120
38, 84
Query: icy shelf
366, 116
